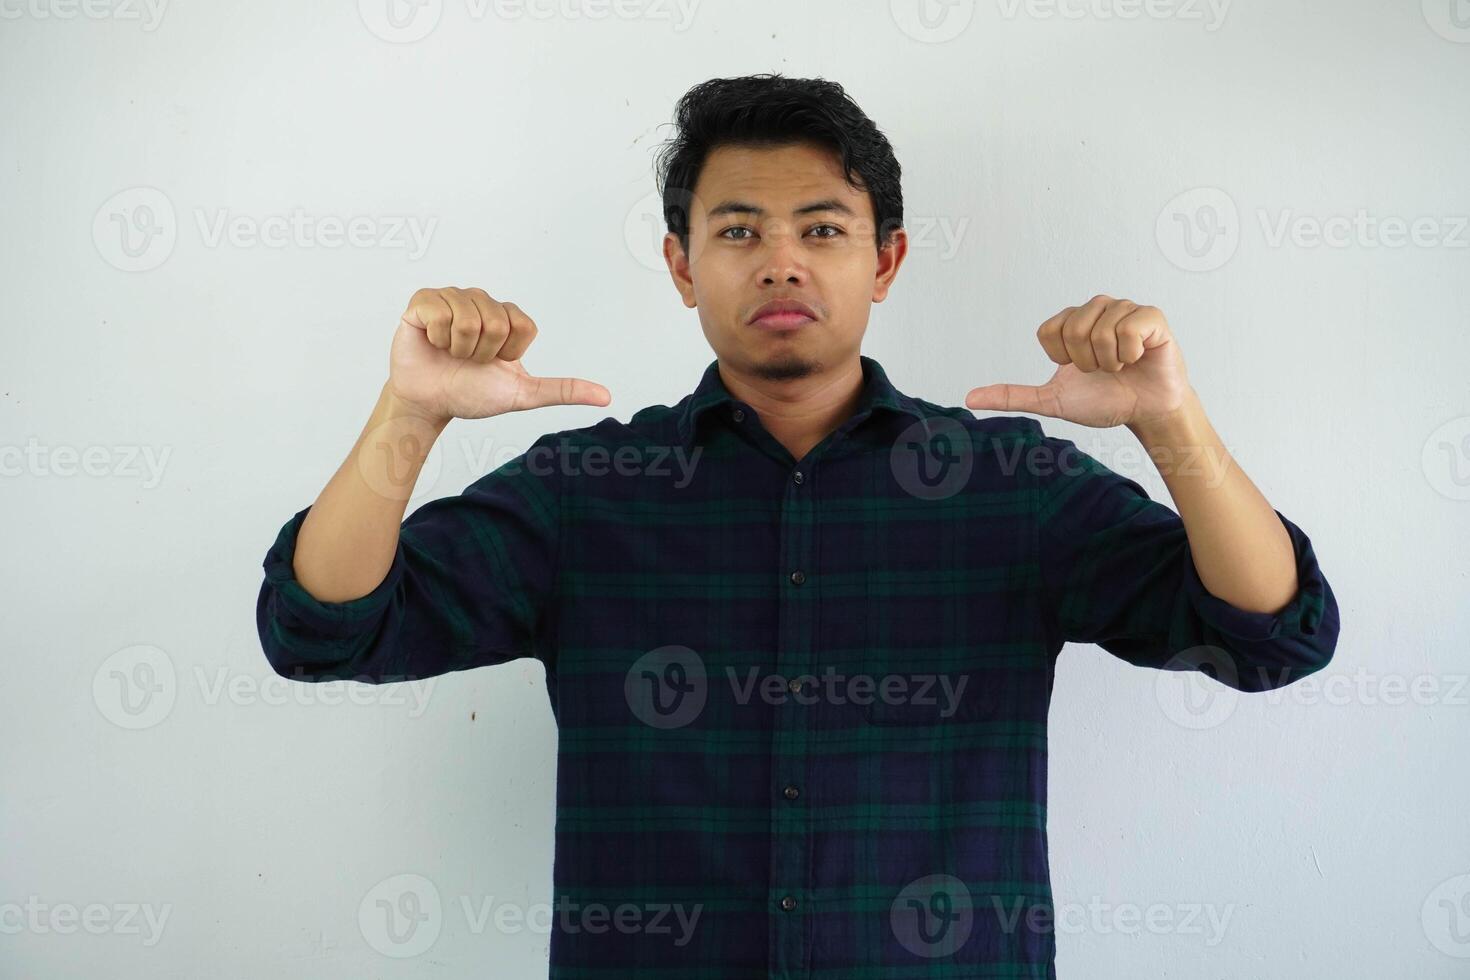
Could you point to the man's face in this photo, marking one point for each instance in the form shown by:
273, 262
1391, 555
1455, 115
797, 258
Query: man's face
781, 224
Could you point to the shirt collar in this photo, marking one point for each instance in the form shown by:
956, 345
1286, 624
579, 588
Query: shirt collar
878, 394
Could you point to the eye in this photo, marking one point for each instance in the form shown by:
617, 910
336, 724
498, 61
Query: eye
725, 234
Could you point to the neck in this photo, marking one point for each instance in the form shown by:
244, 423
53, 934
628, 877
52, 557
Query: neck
800, 412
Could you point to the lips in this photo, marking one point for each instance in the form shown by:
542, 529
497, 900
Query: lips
783, 313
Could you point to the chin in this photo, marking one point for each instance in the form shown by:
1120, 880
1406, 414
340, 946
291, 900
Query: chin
786, 366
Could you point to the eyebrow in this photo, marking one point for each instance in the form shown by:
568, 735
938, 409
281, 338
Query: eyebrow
743, 207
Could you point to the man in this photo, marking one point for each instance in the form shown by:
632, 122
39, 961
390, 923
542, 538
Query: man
799, 629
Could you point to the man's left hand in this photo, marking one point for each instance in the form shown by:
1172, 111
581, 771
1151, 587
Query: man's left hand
1118, 364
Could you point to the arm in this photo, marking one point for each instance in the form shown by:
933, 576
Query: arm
1118, 569
350, 591
347, 541
469, 581
1126, 572
1242, 552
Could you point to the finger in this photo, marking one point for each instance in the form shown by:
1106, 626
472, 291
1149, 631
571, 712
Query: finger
1078, 329
1148, 323
428, 311
464, 332
1105, 334
1130, 339
522, 332
539, 392
1077, 332
494, 326
1050, 335
1037, 399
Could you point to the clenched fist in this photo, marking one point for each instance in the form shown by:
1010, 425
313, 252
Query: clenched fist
457, 354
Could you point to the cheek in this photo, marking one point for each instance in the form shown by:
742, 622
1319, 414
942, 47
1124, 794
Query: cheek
850, 264
850, 288
716, 282
718, 304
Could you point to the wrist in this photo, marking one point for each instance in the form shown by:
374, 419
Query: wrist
395, 407
1183, 425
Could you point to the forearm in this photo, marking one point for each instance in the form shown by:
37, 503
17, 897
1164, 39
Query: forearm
349, 536
1241, 551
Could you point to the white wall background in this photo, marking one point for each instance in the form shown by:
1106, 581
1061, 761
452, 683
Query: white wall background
166, 405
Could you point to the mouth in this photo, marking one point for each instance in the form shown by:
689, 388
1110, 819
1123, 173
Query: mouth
783, 315
781, 321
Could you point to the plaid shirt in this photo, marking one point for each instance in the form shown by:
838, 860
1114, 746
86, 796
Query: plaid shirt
801, 704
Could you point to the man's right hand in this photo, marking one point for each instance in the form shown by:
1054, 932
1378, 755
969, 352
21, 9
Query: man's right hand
457, 354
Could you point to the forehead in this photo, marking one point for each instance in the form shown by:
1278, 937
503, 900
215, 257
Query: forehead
778, 179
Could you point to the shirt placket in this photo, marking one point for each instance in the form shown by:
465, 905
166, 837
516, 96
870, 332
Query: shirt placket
789, 895
790, 877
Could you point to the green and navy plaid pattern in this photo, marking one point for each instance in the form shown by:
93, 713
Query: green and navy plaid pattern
801, 704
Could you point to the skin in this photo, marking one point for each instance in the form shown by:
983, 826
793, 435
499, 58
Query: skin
802, 383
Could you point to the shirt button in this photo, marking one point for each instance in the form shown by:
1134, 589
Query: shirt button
797, 476
738, 415
792, 792
788, 903
798, 577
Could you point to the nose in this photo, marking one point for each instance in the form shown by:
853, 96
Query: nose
782, 262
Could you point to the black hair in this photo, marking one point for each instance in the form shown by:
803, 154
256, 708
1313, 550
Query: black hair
772, 110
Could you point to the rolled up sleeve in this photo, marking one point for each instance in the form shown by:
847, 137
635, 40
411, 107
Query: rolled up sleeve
471, 584
1117, 571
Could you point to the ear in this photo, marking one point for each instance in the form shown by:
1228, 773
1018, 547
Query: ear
890, 257
678, 264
